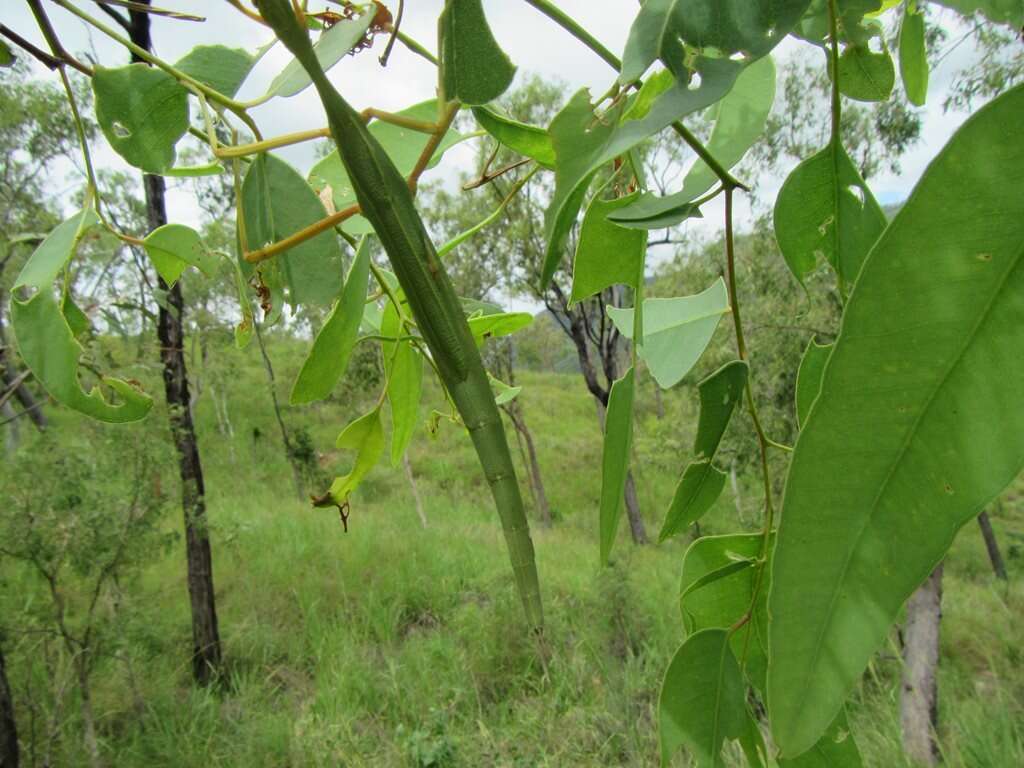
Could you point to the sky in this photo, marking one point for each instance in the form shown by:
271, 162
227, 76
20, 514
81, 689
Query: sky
535, 45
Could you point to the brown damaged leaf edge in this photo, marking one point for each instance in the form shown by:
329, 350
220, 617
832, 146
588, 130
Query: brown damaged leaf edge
387, 203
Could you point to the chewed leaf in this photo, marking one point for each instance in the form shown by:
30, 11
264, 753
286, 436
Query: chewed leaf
48, 347
676, 331
865, 75
221, 68
365, 436
143, 112
503, 393
173, 247
528, 140
825, 212
501, 324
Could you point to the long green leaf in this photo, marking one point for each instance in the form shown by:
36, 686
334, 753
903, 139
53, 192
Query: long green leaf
696, 492
403, 366
918, 424
675, 331
50, 256
914, 56
739, 121
328, 358
808, 378
365, 436
332, 46
618, 438
702, 702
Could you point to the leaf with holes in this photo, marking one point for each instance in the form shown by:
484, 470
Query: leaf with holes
618, 439
143, 112
917, 427
49, 349
703, 700
277, 203
739, 121
328, 358
474, 68
676, 331
663, 29
825, 212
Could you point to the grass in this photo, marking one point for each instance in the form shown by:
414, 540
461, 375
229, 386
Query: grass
398, 645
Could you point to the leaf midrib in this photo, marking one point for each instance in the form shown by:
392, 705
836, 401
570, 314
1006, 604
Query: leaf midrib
911, 433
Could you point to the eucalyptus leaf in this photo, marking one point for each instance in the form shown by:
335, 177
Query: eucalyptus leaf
365, 436
403, 365
53, 253
914, 56
825, 212
332, 46
527, 140
808, 378
663, 28
175, 244
277, 203
917, 426
618, 439
143, 112
49, 349
703, 700
328, 358
739, 122
697, 491
474, 68
676, 331
865, 75
650, 211
835, 749
217, 66
606, 254
1001, 11
485, 327
191, 171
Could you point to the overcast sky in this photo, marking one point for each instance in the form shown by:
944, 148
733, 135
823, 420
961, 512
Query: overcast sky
535, 44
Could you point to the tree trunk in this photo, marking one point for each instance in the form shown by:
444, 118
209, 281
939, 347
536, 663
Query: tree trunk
540, 496
994, 555
919, 702
636, 523
206, 652
272, 386
415, 490
8, 731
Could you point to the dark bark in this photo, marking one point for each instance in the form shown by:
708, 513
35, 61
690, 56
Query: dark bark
994, 555
919, 700
537, 490
206, 650
8, 732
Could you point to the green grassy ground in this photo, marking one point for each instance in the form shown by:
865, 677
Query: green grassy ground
398, 645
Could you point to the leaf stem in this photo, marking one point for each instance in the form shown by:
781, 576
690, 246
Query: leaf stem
463, 236
571, 26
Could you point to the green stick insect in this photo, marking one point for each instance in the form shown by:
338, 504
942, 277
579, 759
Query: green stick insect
387, 202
